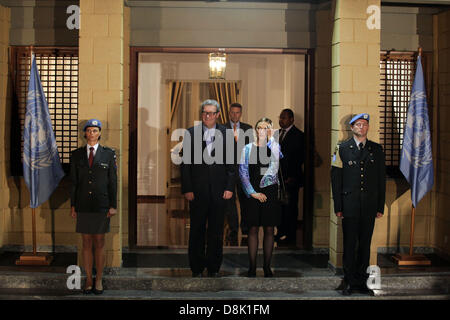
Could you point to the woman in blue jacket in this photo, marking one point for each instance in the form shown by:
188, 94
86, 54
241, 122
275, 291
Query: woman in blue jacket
258, 170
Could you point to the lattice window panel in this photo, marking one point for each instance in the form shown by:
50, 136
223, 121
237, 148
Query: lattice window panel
396, 79
58, 71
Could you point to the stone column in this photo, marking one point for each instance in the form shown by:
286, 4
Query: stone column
355, 87
5, 18
441, 133
322, 125
101, 87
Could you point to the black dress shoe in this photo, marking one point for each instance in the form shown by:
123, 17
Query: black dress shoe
197, 275
87, 290
347, 290
268, 273
364, 290
97, 291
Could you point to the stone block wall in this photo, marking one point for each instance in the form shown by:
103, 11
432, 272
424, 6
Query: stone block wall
355, 75
5, 102
441, 217
101, 87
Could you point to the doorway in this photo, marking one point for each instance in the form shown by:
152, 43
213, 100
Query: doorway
166, 91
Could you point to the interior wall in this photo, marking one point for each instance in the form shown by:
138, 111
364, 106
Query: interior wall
269, 84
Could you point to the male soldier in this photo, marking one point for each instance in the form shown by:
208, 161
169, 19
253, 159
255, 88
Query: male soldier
241, 138
358, 180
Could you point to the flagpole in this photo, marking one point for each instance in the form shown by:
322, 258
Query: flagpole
33, 215
34, 258
411, 236
411, 259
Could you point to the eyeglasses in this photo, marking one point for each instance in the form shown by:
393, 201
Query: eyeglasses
209, 114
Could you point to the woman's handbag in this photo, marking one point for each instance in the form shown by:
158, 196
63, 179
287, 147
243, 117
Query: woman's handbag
283, 196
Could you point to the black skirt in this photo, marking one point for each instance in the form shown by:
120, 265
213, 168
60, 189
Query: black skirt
266, 214
92, 222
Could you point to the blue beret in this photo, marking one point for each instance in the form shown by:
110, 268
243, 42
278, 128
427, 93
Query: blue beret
364, 116
92, 123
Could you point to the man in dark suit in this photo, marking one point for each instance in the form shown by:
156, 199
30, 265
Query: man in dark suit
207, 182
243, 135
292, 144
358, 180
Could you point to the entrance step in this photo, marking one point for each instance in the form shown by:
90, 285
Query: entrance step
143, 283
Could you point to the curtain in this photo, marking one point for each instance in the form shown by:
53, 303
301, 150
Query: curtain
176, 89
226, 93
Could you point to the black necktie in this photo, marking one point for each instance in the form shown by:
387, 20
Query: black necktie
91, 156
283, 133
361, 147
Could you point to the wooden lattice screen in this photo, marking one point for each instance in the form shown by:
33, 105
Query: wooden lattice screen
396, 79
58, 69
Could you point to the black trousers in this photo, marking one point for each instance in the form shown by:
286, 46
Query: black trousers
289, 215
232, 213
357, 234
206, 231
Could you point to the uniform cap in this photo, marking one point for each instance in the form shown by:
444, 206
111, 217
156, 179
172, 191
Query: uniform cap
92, 123
364, 116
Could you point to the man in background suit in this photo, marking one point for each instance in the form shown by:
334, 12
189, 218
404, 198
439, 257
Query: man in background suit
241, 138
207, 182
292, 144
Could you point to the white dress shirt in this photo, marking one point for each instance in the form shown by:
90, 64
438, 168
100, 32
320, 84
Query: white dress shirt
89, 151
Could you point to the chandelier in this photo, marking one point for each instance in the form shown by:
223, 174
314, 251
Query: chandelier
217, 65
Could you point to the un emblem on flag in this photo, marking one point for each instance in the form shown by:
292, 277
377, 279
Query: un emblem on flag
417, 144
39, 146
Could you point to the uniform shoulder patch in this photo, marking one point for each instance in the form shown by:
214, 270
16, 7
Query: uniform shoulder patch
336, 158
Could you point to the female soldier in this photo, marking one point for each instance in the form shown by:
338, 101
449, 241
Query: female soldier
93, 199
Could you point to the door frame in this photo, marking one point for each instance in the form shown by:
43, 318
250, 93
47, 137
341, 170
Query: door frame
308, 190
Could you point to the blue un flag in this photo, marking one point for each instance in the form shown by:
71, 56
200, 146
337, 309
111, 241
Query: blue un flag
42, 169
416, 162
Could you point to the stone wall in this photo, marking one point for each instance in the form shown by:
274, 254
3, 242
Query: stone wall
222, 24
355, 74
101, 88
41, 23
5, 102
441, 217
322, 121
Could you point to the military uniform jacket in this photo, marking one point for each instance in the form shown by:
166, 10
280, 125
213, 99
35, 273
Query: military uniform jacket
358, 179
93, 189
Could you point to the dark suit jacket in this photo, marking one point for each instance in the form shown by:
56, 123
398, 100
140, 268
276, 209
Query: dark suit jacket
242, 140
358, 180
93, 189
205, 179
293, 149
